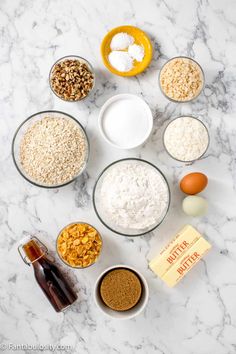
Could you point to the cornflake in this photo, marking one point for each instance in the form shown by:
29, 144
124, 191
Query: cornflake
79, 245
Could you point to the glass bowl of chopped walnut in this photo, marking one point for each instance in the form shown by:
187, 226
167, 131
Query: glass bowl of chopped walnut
50, 149
72, 78
181, 79
79, 245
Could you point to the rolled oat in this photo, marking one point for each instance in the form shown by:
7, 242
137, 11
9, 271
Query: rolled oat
53, 151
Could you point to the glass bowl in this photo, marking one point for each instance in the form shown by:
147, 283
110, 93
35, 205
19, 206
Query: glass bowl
80, 59
21, 130
64, 261
203, 79
100, 211
188, 161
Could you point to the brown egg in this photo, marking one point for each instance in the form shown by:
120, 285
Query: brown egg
193, 183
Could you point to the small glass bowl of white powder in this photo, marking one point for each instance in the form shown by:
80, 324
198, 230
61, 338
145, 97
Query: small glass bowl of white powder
186, 139
131, 197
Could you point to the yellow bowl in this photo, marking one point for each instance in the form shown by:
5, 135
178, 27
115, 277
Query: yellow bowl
140, 38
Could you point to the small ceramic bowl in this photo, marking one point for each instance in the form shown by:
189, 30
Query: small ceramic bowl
140, 37
122, 315
116, 136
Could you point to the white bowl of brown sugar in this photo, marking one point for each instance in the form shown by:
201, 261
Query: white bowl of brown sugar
121, 292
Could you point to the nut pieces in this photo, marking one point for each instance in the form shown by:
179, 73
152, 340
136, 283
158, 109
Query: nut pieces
71, 79
181, 79
79, 245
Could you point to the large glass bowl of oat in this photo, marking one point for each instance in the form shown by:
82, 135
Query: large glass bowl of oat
72, 78
181, 79
50, 149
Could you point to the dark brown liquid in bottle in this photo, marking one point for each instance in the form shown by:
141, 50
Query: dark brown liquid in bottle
50, 278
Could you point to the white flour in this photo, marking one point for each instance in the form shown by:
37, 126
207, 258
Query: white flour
136, 52
121, 61
121, 41
186, 138
124, 51
134, 195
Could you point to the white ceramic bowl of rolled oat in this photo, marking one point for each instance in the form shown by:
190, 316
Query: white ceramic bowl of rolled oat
50, 149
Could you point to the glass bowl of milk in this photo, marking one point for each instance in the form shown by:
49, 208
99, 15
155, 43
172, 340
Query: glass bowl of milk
125, 121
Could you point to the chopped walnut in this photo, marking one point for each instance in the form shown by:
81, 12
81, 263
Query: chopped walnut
71, 79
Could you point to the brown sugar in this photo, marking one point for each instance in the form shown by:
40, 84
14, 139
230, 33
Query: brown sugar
120, 289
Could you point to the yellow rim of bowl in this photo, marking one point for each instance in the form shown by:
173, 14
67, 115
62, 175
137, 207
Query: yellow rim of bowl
140, 37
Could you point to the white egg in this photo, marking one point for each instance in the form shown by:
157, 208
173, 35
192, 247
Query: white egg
194, 205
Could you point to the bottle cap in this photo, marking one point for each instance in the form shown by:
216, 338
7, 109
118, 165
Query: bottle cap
26, 240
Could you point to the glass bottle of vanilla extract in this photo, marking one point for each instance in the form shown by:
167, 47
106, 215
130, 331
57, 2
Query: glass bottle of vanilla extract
47, 274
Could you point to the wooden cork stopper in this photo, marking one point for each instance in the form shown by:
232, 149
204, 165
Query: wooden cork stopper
120, 289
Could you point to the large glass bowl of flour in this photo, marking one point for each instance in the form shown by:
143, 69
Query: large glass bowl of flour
131, 197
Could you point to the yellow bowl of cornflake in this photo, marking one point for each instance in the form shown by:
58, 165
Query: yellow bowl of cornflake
79, 245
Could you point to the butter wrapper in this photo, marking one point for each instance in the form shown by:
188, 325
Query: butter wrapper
186, 262
178, 246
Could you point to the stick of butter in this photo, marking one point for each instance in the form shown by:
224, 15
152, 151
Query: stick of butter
186, 262
184, 239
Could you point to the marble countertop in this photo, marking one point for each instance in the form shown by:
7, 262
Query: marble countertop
199, 315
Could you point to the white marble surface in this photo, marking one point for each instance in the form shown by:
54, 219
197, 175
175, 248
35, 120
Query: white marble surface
199, 315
